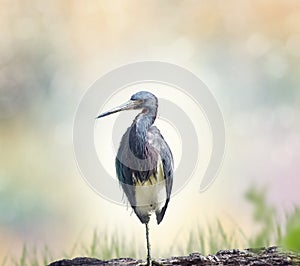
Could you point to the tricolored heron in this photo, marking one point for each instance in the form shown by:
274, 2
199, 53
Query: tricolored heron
144, 163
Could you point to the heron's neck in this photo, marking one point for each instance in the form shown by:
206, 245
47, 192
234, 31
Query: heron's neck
138, 134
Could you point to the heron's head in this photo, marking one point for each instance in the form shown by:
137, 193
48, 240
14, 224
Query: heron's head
144, 100
140, 100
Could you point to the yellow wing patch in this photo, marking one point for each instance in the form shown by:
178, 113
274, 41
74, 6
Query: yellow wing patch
153, 179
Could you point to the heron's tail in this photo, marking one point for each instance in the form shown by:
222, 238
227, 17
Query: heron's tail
160, 214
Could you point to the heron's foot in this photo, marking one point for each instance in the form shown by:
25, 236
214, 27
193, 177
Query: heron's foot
152, 263
144, 263
156, 263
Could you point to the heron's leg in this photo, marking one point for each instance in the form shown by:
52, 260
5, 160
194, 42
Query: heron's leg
148, 245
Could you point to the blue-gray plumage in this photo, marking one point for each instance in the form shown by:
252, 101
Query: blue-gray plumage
144, 163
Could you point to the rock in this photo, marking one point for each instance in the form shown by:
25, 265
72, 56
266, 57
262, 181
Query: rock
271, 256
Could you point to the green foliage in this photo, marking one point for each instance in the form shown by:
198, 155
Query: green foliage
22, 260
209, 240
106, 246
270, 233
32, 258
4, 261
291, 241
269, 230
264, 215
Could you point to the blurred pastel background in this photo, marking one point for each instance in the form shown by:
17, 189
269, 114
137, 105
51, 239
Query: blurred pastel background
247, 52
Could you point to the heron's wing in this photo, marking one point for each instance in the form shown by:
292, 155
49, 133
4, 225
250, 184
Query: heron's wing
159, 143
124, 173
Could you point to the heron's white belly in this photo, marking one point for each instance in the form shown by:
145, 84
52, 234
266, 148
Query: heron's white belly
151, 195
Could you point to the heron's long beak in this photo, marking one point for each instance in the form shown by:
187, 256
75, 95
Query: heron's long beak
125, 106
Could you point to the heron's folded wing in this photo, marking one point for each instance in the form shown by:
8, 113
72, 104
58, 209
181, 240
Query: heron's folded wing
166, 156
